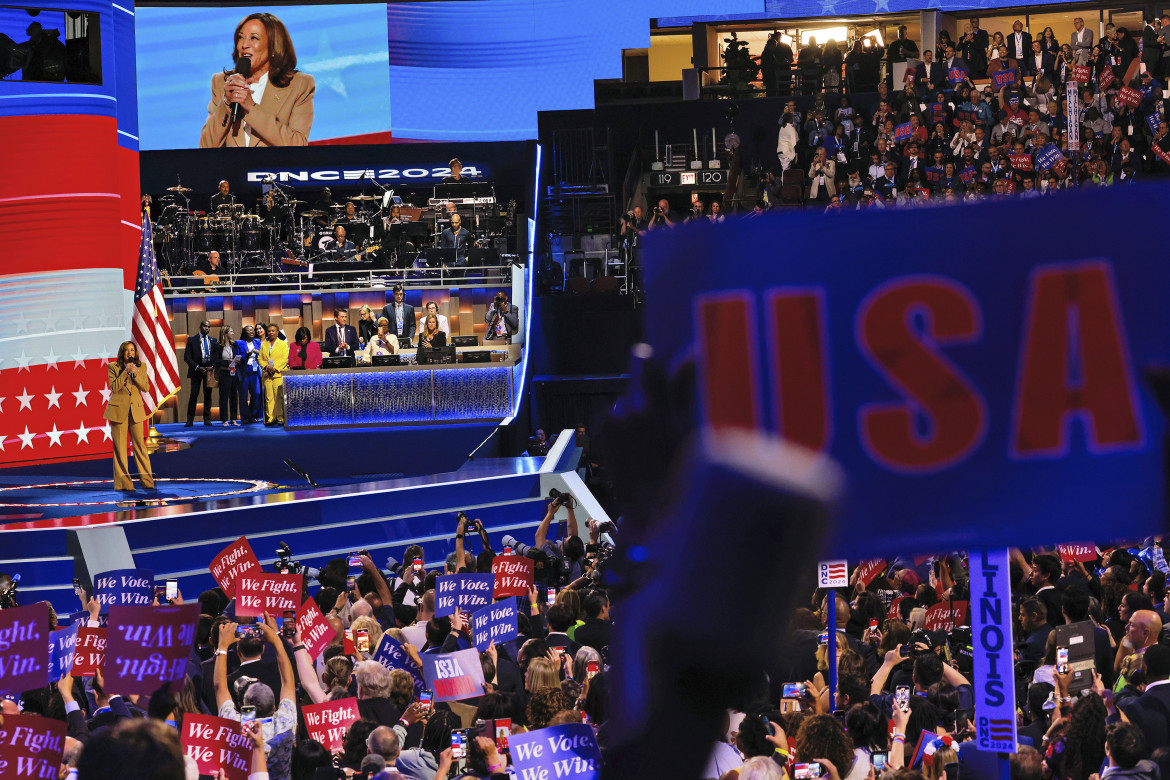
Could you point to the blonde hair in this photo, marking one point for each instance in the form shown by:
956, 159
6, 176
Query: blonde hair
938, 762
541, 674
917, 618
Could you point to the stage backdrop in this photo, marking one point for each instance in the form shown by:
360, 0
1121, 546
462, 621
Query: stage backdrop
980, 378
69, 217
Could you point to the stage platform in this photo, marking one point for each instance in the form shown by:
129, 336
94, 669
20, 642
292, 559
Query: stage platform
176, 533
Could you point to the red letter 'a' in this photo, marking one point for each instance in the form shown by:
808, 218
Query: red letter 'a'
725, 342
800, 366
936, 393
1075, 361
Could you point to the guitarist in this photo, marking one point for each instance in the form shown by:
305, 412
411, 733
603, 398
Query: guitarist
338, 248
209, 269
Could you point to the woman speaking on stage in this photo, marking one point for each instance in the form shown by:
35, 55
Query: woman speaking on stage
128, 381
272, 100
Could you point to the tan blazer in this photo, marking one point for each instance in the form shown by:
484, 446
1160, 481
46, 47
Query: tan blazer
283, 118
126, 398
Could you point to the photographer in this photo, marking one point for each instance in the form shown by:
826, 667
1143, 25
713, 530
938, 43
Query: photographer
466, 526
503, 319
662, 216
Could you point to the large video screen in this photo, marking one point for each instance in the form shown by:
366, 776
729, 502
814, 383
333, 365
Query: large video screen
340, 93
49, 45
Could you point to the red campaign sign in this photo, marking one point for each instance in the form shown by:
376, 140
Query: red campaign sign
1082, 73
328, 722
260, 593
148, 647
90, 654
1163, 156
513, 575
1077, 552
24, 648
217, 743
235, 559
868, 571
1105, 79
894, 607
1021, 162
946, 615
1011, 186
1129, 96
31, 746
316, 633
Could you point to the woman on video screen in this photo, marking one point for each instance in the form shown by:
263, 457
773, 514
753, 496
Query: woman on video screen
275, 102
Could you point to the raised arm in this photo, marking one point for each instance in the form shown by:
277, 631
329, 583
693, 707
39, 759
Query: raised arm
288, 684
572, 524
309, 680
460, 529
379, 581
542, 529
227, 636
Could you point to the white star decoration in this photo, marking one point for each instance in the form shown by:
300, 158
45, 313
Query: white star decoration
3, 398
105, 391
105, 429
79, 358
51, 360
25, 400
2, 440
55, 435
54, 398
83, 433
25, 438
79, 396
23, 361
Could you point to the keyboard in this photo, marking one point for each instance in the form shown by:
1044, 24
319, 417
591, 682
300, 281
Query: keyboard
484, 201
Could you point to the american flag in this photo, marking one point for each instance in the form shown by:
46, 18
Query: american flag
150, 329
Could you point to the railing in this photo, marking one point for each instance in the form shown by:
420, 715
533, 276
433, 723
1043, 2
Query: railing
302, 280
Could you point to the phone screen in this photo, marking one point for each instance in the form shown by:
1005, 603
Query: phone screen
823, 639
172, 590
806, 771
507, 549
1062, 660
426, 699
879, 762
361, 640
351, 582
76, 587
792, 691
160, 592
873, 623
551, 597
353, 561
247, 713
458, 746
289, 625
592, 668
503, 731
902, 698
417, 565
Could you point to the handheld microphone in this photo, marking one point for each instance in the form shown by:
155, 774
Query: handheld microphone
244, 68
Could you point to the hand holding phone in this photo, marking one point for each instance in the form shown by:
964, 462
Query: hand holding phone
458, 744
1062, 660
426, 700
902, 698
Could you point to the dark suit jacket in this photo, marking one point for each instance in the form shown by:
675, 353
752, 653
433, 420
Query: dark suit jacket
595, 633
193, 352
1025, 47
1151, 713
409, 326
936, 81
331, 340
1047, 65
1036, 644
265, 672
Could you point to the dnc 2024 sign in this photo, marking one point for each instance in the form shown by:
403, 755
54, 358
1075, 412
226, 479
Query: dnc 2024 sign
976, 369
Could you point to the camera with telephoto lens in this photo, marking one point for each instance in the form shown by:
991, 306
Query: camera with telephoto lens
286, 565
559, 498
657, 209
629, 216
470, 526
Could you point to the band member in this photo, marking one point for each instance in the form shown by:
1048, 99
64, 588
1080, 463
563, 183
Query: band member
338, 248
455, 237
503, 319
199, 355
222, 198
275, 211
456, 176
128, 381
326, 205
275, 102
274, 362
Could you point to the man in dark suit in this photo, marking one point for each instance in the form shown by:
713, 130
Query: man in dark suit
973, 48
955, 62
559, 622
342, 338
455, 237
595, 632
1039, 63
930, 76
1151, 711
199, 355
1034, 622
1152, 47
1019, 41
252, 665
401, 317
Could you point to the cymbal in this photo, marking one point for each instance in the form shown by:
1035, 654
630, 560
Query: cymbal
294, 201
366, 197
314, 213
179, 188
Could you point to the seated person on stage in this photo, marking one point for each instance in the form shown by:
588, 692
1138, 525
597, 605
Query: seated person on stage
341, 338
383, 342
456, 176
304, 353
444, 324
338, 248
431, 336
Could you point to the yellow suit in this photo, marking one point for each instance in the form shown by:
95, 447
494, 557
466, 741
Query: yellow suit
274, 353
125, 409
